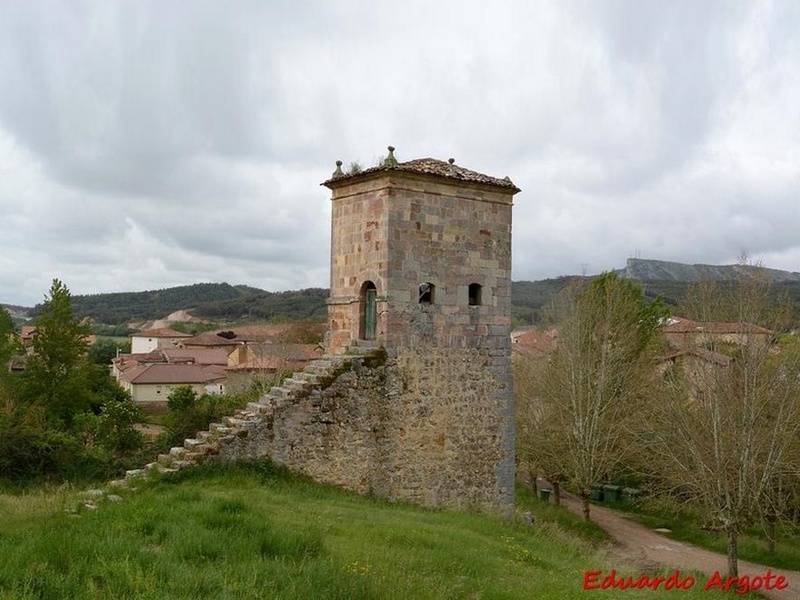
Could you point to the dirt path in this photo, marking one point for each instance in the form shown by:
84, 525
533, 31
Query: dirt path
649, 549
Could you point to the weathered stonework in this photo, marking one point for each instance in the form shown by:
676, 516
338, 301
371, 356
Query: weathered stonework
429, 225
414, 428
413, 400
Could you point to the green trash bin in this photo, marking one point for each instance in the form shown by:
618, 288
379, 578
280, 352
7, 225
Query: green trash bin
631, 494
612, 493
544, 494
597, 493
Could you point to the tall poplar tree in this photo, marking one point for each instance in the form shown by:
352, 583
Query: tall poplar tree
56, 371
728, 433
591, 394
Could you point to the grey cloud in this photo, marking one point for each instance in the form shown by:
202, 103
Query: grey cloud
146, 144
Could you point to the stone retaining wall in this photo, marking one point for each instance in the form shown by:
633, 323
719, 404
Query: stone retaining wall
421, 427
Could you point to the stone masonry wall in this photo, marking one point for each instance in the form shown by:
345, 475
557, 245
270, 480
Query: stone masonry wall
428, 418
358, 254
415, 428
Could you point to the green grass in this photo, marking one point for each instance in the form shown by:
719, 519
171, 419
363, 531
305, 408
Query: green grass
253, 531
686, 525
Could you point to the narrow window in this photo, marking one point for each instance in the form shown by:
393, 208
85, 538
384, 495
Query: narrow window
426, 293
474, 294
369, 311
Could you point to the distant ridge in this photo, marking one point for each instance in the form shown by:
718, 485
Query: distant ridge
642, 269
221, 302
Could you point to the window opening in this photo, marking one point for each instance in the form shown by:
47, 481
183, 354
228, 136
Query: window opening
369, 311
426, 293
474, 294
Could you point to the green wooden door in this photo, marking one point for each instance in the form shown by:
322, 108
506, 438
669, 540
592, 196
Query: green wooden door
370, 313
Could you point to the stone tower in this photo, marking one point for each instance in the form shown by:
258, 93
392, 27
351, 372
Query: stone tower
414, 399
421, 266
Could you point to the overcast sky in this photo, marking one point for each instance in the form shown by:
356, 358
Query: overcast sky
149, 144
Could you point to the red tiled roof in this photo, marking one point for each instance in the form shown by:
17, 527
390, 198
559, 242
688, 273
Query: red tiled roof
238, 335
280, 356
262, 332
215, 372
264, 363
534, 342
169, 374
163, 332
687, 326
428, 166
200, 356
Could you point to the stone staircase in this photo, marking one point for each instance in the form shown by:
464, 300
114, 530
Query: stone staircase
318, 374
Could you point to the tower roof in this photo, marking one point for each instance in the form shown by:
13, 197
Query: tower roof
422, 166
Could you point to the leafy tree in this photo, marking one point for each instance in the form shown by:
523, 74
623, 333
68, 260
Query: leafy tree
7, 336
105, 349
540, 447
55, 373
8, 347
115, 422
727, 434
304, 332
588, 398
188, 412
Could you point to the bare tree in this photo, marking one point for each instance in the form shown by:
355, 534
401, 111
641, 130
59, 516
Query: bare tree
588, 399
540, 447
727, 434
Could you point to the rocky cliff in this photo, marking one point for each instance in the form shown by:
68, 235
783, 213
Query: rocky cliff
642, 269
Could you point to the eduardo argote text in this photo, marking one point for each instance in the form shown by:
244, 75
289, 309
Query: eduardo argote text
597, 580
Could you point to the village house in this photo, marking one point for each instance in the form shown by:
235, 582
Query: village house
698, 349
221, 365
237, 336
684, 333
263, 362
690, 345
153, 383
533, 343
27, 334
146, 341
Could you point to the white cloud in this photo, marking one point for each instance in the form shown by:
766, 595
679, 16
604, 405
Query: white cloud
145, 145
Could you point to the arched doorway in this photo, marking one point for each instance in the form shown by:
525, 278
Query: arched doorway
368, 311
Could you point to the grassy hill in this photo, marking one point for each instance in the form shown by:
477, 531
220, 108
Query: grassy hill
222, 302
253, 531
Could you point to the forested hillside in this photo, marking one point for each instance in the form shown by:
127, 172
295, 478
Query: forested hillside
213, 301
222, 302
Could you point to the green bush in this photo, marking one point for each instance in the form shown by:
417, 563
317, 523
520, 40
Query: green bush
188, 412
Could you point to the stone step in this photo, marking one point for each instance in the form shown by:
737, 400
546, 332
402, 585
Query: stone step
267, 399
177, 451
312, 378
257, 408
281, 393
161, 468
297, 384
196, 457
319, 367
234, 422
